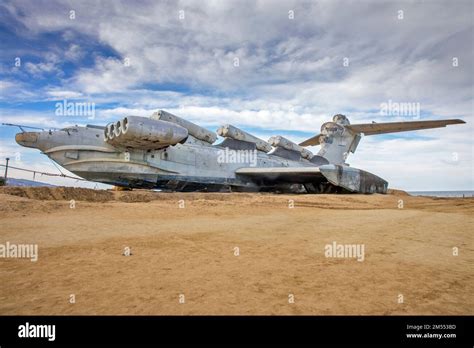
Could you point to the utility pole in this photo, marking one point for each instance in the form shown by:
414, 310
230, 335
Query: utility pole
6, 171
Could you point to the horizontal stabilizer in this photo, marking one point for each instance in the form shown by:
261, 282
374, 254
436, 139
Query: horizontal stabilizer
389, 127
393, 127
311, 141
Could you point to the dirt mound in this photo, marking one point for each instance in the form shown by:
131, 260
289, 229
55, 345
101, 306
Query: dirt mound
59, 193
396, 192
137, 196
90, 195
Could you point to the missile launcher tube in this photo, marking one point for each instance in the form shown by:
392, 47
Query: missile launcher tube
193, 129
279, 141
229, 131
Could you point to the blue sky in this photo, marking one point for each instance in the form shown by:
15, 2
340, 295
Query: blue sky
269, 67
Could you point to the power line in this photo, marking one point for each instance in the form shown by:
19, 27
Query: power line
44, 173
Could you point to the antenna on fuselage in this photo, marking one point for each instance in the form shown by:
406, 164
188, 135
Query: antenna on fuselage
21, 126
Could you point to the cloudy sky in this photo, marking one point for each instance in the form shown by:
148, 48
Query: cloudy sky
269, 67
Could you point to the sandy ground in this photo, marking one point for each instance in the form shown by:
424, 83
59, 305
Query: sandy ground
191, 251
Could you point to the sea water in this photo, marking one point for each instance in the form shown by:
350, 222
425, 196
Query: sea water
468, 193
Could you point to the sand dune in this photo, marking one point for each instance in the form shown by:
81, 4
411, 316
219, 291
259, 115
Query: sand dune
185, 244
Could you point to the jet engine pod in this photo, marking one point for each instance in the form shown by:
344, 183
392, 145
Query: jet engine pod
144, 133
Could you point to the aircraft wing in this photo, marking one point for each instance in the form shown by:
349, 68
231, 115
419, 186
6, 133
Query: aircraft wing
349, 178
393, 127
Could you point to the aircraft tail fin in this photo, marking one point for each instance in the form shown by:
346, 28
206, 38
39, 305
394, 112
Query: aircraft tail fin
339, 137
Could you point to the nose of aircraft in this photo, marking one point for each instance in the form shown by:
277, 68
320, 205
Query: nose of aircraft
27, 139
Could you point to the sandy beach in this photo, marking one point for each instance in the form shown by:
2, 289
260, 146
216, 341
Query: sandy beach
222, 253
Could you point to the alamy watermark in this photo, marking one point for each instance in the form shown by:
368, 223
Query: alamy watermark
237, 156
67, 108
392, 108
345, 251
28, 330
20, 251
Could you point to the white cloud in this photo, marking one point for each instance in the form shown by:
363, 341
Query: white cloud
74, 53
58, 93
49, 66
